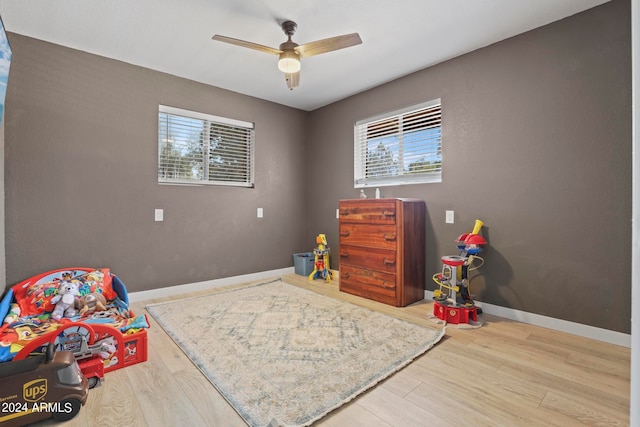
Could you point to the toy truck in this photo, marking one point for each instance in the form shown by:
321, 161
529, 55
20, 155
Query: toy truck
93, 370
41, 386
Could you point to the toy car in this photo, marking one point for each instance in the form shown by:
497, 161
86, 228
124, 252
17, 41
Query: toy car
41, 386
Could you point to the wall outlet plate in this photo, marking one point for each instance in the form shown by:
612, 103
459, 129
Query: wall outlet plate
260, 213
159, 215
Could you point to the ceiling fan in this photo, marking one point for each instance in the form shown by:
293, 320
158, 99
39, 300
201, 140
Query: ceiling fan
290, 52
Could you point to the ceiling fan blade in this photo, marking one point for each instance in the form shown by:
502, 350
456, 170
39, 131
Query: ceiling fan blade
293, 79
328, 45
250, 45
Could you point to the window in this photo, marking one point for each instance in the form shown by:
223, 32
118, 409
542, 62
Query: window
197, 148
401, 147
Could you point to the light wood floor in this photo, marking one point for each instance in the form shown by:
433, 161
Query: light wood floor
503, 374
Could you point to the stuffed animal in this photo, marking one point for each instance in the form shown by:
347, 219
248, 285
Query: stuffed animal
65, 300
91, 303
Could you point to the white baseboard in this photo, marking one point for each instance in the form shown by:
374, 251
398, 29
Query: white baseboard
605, 335
207, 284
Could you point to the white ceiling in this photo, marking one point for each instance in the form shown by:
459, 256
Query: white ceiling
399, 37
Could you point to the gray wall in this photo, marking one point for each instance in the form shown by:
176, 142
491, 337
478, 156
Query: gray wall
81, 167
537, 144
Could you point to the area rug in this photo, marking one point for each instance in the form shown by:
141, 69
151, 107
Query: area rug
285, 356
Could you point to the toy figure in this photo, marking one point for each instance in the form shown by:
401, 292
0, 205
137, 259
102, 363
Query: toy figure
65, 300
321, 263
90, 303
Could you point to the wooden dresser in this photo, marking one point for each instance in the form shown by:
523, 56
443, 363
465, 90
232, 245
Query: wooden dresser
382, 249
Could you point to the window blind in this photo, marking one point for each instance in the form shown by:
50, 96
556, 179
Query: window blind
198, 148
401, 147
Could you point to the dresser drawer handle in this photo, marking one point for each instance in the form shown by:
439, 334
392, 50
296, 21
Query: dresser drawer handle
346, 275
386, 261
390, 237
344, 254
345, 234
344, 212
389, 213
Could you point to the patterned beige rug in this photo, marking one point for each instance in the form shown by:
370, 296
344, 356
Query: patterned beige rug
285, 356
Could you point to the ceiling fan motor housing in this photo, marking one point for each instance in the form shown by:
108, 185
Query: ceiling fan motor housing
289, 28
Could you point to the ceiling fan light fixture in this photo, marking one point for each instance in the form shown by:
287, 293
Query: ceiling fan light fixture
289, 62
290, 52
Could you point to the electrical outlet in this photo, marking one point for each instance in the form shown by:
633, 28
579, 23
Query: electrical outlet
338, 213
449, 217
260, 213
159, 215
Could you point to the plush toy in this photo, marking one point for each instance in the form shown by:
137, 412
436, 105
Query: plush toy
65, 300
91, 303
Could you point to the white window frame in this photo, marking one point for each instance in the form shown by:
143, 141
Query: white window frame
238, 130
401, 154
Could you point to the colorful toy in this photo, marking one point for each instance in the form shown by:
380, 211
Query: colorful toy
91, 303
93, 370
65, 301
41, 386
453, 302
321, 267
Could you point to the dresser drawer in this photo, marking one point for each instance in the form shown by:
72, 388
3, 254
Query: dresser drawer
368, 211
372, 236
374, 285
368, 258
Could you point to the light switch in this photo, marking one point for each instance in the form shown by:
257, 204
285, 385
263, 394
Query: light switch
449, 217
260, 213
159, 215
